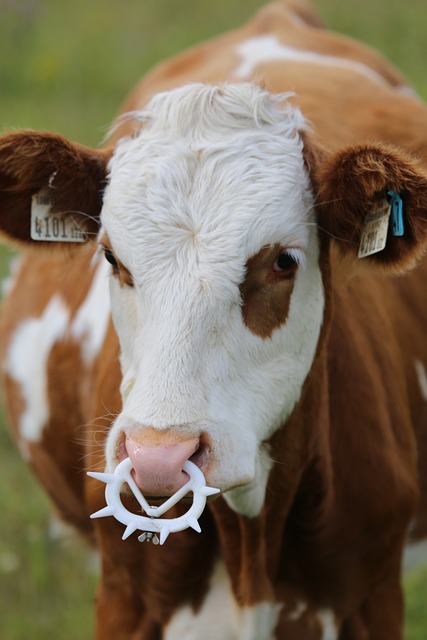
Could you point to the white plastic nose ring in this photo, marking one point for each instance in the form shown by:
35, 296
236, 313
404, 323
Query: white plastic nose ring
151, 524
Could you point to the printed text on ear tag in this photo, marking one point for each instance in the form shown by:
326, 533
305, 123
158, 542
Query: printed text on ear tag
374, 234
53, 227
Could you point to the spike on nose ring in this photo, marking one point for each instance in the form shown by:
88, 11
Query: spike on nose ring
154, 528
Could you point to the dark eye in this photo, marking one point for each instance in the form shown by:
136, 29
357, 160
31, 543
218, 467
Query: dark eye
286, 262
110, 258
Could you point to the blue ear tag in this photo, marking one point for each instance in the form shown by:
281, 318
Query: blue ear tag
396, 209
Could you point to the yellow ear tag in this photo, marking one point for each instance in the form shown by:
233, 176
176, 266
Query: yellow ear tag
374, 234
53, 227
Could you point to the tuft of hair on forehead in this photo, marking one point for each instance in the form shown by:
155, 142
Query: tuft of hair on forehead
195, 110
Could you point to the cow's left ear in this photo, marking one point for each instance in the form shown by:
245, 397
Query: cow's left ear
358, 188
50, 190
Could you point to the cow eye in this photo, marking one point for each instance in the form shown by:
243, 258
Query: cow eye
110, 258
286, 263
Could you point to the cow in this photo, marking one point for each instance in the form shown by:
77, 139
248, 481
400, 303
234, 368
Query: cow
230, 283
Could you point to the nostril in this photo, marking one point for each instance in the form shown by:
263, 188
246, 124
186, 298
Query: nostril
120, 449
200, 456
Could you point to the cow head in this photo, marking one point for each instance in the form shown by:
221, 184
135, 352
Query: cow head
216, 290
210, 224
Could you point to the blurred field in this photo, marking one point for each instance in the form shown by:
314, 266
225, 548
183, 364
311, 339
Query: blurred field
66, 66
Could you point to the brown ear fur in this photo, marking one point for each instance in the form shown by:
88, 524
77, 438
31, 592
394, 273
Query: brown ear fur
354, 182
74, 176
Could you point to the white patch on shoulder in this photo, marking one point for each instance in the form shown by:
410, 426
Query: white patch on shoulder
422, 378
221, 617
328, 623
269, 49
26, 363
91, 321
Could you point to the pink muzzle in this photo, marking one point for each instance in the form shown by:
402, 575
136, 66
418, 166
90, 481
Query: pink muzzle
158, 460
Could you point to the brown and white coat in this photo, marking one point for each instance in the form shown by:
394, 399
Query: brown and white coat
248, 336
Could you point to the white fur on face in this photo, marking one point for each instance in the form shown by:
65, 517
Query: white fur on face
215, 175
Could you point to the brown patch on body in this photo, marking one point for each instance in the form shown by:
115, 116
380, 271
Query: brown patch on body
266, 295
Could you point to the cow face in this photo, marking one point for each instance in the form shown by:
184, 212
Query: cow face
209, 227
216, 291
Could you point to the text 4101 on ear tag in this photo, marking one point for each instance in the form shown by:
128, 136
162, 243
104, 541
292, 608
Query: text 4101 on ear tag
51, 227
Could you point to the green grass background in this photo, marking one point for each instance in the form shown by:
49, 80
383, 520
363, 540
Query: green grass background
66, 66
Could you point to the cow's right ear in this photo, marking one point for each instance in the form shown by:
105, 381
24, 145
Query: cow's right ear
50, 189
355, 191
